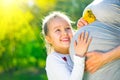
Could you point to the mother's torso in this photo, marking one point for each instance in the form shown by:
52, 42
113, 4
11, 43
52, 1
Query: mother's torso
106, 36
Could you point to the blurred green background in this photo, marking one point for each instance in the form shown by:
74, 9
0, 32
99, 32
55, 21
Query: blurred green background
22, 46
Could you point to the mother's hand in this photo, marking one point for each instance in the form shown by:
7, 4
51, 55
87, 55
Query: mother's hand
81, 23
95, 60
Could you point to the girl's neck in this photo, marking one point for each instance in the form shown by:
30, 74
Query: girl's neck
62, 51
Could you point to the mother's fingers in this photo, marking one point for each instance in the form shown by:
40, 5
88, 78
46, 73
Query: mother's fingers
81, 23
84, 21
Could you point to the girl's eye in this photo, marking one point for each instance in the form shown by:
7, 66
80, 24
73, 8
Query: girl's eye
57, 30
68, 28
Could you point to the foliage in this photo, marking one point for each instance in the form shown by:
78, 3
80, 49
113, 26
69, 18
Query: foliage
22, 45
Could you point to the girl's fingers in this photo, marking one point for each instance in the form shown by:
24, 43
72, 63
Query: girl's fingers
82, 36
79, 38
89, 41
86, 37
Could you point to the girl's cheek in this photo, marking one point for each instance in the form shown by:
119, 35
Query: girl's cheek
71, 35
71, 32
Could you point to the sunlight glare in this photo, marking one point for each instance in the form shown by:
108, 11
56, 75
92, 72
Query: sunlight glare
30, 3
12, 16
7, 3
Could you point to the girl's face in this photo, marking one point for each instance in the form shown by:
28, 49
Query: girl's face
60, 34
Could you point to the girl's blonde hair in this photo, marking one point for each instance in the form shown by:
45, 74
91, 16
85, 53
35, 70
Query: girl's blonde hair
47, 19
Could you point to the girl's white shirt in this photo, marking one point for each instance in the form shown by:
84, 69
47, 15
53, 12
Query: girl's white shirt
59, 68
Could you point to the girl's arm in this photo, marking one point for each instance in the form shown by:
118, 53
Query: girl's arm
80, 47
57, 68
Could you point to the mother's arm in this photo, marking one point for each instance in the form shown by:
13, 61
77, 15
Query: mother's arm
98, 59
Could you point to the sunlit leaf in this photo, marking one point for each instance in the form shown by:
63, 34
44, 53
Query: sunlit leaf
41, 63
45, 4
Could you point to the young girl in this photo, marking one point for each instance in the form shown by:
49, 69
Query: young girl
58, 33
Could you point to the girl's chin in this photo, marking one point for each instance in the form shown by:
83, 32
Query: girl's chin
66, 43
67, 46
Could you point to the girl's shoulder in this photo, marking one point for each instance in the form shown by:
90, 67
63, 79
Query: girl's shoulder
55, 57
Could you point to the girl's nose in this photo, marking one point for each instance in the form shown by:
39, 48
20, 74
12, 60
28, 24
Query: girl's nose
65, 32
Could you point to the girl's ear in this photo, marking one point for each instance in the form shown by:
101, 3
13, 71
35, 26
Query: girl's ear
48, 39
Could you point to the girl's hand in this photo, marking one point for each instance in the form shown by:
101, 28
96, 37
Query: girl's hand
82, 44
81, 22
